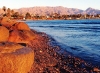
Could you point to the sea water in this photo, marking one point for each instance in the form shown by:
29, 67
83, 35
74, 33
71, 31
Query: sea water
79, 37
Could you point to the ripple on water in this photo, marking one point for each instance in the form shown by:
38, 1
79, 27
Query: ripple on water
82, 36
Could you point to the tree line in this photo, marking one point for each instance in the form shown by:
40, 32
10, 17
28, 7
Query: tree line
16, 15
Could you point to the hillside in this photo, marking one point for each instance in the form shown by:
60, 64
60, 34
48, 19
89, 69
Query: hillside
49, 10
59, 9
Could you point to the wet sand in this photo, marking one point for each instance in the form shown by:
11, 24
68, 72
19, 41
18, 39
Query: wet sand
52, 59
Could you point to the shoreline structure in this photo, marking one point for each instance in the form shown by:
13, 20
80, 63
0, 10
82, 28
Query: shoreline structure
48, 58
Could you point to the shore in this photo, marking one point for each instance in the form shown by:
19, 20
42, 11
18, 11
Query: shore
48, 57
52, 59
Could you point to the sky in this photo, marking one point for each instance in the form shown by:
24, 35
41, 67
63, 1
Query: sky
80, 4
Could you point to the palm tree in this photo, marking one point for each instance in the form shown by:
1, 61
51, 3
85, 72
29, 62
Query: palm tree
16, 15
28, 15
12, 12
8, 12
4, 9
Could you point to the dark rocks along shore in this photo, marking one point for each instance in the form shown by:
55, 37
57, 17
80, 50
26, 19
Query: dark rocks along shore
49, 59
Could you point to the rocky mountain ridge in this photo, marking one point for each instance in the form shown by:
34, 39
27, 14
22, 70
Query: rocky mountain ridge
59, 9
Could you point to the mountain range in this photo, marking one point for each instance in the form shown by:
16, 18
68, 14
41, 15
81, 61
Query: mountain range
59, 9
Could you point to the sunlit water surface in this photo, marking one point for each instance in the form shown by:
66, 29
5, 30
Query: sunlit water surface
80, 37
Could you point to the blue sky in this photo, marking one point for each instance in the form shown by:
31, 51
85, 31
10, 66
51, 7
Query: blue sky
80, 4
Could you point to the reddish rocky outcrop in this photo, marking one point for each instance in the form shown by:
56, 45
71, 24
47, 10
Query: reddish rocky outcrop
24, 36
21, 26
4, 34
7, 22
15, 58
18, 37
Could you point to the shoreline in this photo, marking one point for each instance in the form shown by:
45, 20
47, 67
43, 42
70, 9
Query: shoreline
53, 59
49, 57
48, 19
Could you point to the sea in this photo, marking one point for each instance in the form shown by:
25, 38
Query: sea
79, 37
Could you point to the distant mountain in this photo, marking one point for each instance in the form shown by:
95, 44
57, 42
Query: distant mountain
92, 11
50, 10
59, 9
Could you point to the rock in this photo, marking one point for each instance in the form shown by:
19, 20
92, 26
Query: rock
7, 22
30, 35
8, 47
15, 58
96, 69
17, 37
4, 34
24, 36
21, 26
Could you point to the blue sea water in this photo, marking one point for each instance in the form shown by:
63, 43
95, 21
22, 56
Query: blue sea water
79, 37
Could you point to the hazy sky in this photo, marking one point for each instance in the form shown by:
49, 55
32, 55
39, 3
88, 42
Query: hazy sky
80, 4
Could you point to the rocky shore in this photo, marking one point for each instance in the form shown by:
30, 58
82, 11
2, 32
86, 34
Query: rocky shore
24, 50
52, 59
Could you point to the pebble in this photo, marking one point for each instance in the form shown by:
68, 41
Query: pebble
48, 59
